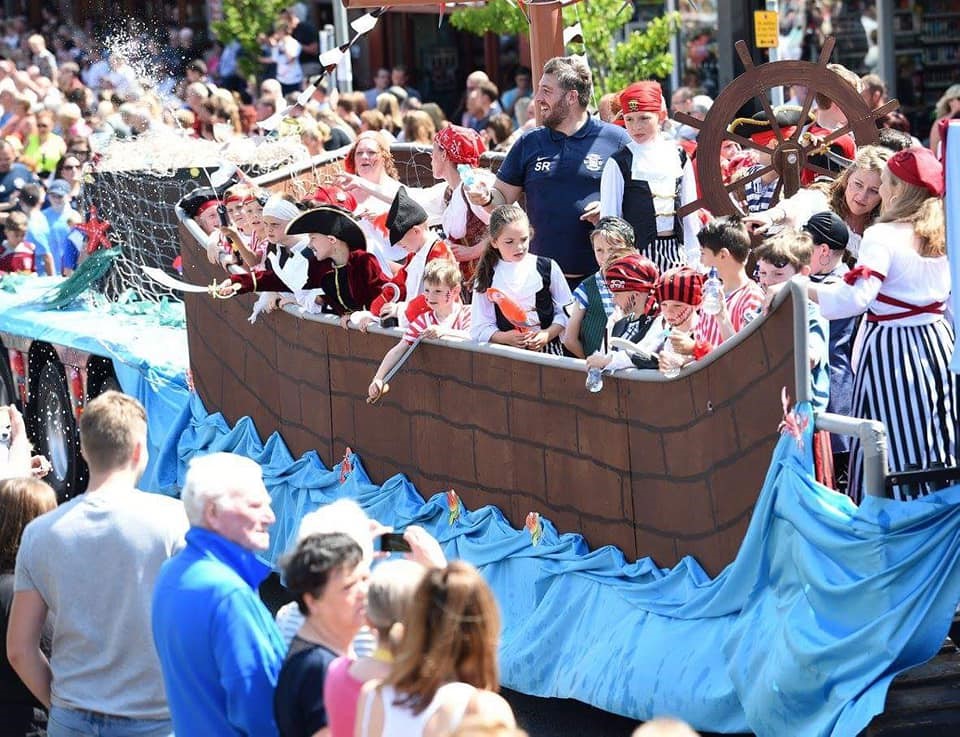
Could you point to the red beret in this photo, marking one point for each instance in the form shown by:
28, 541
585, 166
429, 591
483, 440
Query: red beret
918, 166
461, 145
681, 285
642, 97
633, 273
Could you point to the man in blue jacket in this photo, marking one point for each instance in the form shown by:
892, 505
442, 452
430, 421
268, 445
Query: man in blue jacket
220, 650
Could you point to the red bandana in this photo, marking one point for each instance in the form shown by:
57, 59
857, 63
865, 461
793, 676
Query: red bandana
642, 97
461, 145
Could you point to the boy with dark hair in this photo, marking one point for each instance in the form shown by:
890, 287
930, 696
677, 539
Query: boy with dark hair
725, 246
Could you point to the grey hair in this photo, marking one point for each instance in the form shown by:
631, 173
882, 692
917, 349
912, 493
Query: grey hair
213, 477
572, 73
343, 515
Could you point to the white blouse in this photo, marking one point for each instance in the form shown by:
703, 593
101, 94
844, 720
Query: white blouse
917, 280
520, 281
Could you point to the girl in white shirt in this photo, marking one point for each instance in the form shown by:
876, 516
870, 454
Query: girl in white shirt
902, 353
519, 298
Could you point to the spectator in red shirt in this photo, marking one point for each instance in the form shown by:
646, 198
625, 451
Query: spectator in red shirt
17, 253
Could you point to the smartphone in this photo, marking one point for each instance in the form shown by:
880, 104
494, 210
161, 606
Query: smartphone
393, 542
222, 212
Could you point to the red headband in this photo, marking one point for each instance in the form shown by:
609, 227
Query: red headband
764, 137
642, 97
461, 145
206, 206
918, 166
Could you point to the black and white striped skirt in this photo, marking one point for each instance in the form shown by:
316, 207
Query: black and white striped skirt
903, 380
666, 252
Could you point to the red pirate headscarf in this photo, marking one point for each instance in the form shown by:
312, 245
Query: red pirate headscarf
461, 145
330, 194
633, 273
681, 285
642, 97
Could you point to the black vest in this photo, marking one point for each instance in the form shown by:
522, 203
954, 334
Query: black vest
543, 303
637, 208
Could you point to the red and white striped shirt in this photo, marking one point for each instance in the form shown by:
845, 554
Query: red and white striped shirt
747, 300
459, 319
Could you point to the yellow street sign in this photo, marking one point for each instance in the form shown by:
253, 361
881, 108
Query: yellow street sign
766, 29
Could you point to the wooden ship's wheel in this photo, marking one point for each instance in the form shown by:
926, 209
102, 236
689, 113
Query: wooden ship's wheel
792, 154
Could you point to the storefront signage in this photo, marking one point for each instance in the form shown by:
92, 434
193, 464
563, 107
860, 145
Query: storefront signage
766, 29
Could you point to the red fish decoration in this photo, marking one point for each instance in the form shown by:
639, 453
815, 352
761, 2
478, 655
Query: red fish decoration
514, 313
346, 465
534, 526
455, 506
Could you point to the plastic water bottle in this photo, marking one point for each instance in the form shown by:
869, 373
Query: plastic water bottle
667, 351
466, 175
594, 380
712, 294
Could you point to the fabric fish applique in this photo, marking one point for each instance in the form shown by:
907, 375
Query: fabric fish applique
514, 313
535, 527
794, 423
455, 506
346, 465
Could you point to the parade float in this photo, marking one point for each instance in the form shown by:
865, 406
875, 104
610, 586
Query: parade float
657, 548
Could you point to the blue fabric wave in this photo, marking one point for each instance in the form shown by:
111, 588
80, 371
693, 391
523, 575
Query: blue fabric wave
801, 634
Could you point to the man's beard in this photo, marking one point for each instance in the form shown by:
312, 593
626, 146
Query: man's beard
558, 113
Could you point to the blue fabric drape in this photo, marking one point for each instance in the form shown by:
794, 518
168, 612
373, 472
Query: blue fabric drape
801, 634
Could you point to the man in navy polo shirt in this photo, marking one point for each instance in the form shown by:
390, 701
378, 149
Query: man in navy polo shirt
558, 166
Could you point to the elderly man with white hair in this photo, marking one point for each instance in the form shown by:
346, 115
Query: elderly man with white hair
220, 650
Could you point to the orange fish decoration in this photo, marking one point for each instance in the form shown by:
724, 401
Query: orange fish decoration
793, 423
455, 506
346, 465
514, 313
535, 527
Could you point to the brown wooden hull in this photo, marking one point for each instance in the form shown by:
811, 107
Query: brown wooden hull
657, 469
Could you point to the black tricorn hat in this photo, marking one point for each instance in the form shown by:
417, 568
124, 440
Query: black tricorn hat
193, 201
330, 220
404, 213
788, 116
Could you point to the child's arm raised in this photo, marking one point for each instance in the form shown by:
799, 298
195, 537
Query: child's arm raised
391, 357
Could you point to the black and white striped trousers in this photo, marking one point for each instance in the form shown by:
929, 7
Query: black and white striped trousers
666, 252
903, 380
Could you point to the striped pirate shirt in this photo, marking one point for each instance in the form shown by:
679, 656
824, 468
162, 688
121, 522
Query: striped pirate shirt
743, 304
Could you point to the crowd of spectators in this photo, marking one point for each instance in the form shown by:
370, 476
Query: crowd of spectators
176, 638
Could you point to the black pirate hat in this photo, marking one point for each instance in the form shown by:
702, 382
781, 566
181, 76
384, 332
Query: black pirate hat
787, 116
193, 202
330, 220
404, 214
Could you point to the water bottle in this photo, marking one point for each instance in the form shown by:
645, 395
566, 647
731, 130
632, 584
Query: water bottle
466, 175
594, 380
673, 370
712, 293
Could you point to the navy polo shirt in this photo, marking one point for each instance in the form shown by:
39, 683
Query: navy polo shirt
560, 176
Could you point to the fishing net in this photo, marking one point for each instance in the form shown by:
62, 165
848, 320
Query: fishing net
135, 185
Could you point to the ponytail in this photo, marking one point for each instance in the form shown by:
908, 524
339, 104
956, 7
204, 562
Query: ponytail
488, 262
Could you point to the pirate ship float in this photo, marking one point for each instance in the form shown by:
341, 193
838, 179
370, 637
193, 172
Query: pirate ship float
657, 468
